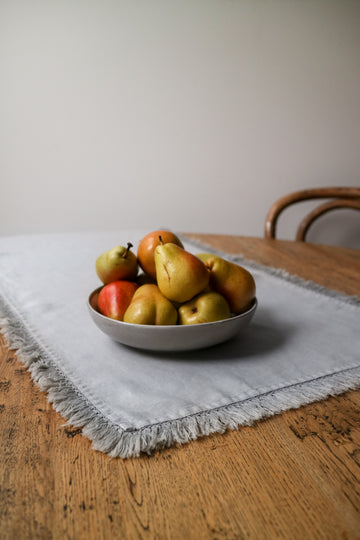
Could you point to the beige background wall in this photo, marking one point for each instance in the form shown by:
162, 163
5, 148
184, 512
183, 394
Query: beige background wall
195, 115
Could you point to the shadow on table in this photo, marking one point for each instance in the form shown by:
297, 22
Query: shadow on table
265, 334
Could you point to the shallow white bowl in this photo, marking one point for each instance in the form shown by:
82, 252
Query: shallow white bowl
172, 337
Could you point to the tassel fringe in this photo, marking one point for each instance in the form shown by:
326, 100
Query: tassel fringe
110, 438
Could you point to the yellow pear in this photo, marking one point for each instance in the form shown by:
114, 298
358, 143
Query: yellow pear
149, 306
180, 275
204, 308
231, 280
116, 264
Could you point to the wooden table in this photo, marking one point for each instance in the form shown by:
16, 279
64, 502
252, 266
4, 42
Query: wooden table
294, 476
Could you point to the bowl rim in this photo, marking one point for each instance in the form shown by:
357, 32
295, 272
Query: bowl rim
159, 327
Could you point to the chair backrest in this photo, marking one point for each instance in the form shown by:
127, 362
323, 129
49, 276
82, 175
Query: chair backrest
340, 197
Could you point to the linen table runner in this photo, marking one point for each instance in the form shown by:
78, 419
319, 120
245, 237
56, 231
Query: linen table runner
302, 345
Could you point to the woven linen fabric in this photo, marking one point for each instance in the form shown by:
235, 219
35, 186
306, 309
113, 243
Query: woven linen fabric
302, 345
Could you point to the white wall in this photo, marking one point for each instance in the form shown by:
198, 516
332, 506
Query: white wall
190, 114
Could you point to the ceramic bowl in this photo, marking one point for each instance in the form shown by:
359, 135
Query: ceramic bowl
172, 337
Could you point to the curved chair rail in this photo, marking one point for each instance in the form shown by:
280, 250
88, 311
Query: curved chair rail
308, 220
345, 197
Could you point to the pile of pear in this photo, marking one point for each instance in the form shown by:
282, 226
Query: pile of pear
164, 284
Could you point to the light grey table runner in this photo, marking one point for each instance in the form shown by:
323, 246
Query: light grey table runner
302, 345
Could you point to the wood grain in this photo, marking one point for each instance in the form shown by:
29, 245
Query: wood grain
295, 475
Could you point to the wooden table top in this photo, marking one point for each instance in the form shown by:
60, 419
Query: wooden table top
295, 475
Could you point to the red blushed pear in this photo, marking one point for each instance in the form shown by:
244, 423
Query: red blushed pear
180, 275
118, 263
230, 280
114, 298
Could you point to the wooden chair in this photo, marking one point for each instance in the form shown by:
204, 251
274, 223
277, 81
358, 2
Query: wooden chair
340, 197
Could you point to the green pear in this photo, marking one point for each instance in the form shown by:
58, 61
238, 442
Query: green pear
231, 280
149, 306
204, 308
179, 274
118, 263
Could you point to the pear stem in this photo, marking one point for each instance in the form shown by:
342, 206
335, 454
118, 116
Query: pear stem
161, 242
129, 246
